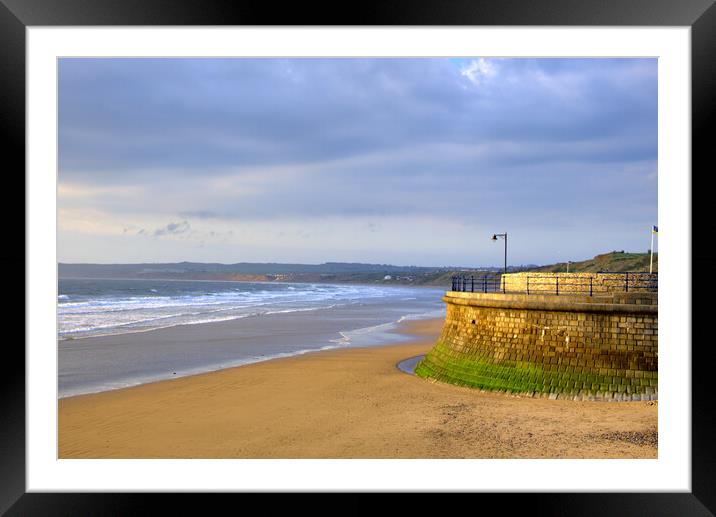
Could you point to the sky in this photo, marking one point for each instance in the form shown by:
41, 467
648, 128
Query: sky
391, 161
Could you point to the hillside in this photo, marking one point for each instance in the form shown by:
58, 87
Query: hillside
616, 261
336, 272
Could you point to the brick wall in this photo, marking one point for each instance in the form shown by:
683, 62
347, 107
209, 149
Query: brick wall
599, 347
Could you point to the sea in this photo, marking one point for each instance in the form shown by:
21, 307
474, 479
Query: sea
116, 333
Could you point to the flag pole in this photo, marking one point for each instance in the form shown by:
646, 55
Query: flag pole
651, 260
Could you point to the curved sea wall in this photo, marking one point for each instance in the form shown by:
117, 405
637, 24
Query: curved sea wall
566, 346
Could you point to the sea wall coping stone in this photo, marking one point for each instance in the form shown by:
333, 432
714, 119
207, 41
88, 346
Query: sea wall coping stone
566, 303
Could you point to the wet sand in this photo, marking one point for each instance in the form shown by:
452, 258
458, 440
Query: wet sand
348, 403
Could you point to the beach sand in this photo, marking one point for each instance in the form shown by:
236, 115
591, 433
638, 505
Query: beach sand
348, 403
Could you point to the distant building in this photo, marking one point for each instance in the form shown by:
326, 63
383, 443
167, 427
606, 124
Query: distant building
387, 277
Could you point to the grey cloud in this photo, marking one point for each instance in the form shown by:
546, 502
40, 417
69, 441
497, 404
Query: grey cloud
172, 229
135, 114
572, 140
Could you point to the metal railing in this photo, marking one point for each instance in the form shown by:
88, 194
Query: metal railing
540, 283
486, 283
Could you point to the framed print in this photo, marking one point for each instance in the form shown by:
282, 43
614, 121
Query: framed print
160, 144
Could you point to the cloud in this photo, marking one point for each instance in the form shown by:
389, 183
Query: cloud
479, 71
223, 142
134, 120
172, 229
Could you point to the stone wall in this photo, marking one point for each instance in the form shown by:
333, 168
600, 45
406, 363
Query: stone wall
567, 346
578, 282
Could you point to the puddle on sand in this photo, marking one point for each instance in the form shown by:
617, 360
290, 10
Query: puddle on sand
408, 365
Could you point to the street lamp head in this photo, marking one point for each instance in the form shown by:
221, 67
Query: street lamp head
494, 237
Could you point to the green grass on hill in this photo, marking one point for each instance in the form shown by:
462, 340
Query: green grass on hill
616, 261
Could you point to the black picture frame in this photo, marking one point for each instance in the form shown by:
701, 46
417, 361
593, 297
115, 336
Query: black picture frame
700, 15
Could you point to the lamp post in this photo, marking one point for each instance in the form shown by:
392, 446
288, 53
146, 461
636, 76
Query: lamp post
654, 230
504, 236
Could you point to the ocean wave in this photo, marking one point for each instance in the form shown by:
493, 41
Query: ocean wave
133, 309
214, 299
350, 336
145, 322
302, 309
126, 329
437, 313
115, 324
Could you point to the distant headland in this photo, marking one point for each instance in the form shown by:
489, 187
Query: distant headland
340, 272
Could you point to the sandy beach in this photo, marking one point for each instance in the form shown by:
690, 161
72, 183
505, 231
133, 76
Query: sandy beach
347, 403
